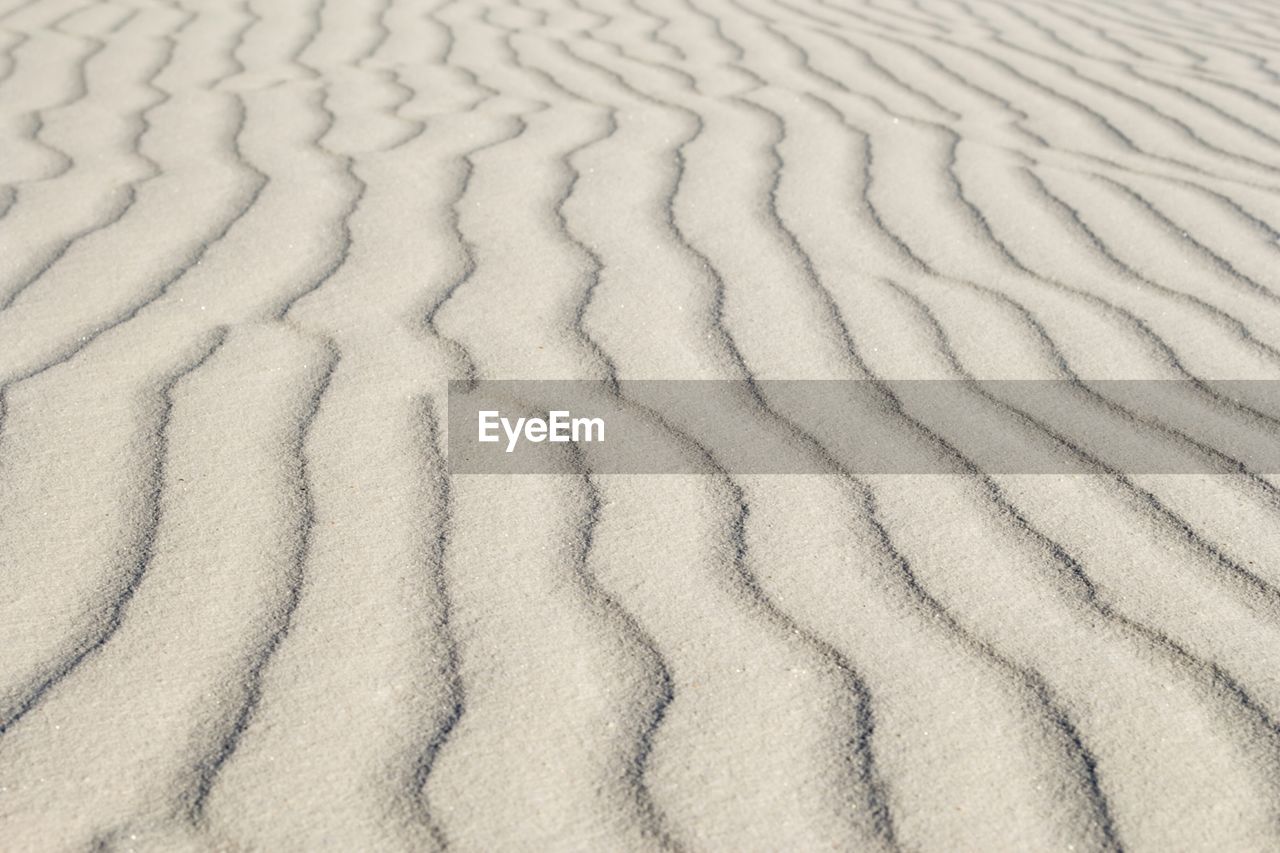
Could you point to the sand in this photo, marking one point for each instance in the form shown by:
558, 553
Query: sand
246, 605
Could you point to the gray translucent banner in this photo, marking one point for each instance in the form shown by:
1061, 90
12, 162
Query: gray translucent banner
914, 426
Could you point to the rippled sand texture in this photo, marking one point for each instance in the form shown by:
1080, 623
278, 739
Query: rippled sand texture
244, 245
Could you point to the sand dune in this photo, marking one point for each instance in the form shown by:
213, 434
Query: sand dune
245, 246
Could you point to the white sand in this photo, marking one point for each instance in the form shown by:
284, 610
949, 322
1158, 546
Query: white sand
243, 247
